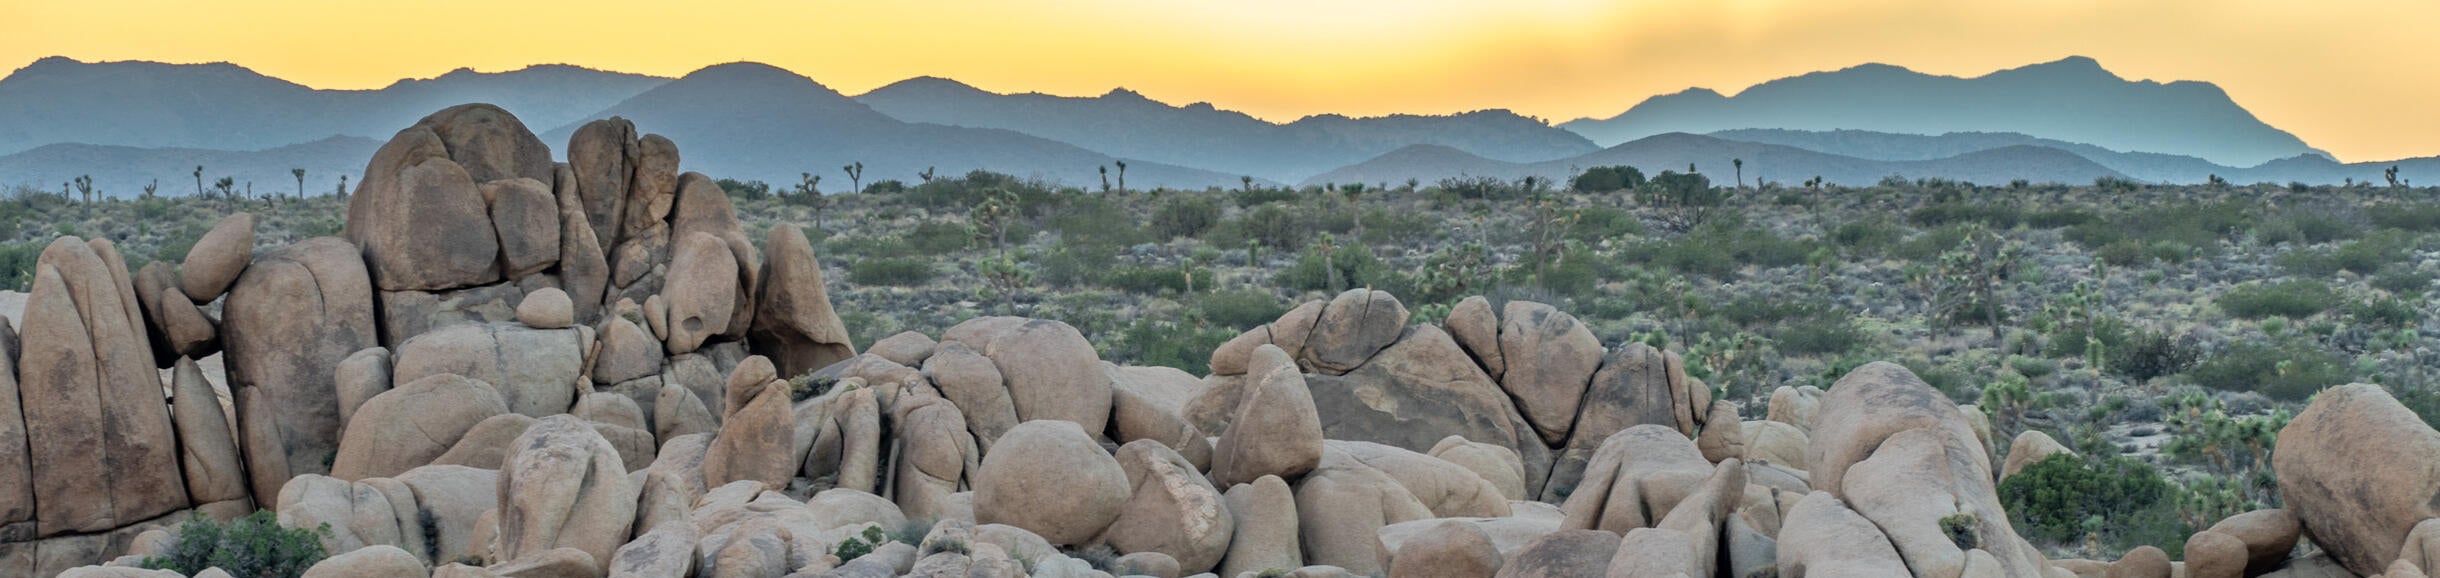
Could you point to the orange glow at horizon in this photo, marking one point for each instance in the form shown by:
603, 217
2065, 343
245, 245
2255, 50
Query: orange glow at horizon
2352, 77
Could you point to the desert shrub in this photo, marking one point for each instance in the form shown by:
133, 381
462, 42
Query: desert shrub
744, 190
897, 271
1183, 344
1184, 217
2123, 253
1257, 196
1275, 225
1597, 224
2295, 298
254, 546
17, 264
2402, 280
937, 238
2148, 354
2305, 228
1356, 267
2408, 217
1867, 235
1607, 179
858, 545
173, 248
2390, 312
1929, 245
1830, 333
1990, 215
1154, 280
2059, 218
2286, 371
2362, 257
2065, 498
1719, 249
1239, 309
2201, 226
1094, 219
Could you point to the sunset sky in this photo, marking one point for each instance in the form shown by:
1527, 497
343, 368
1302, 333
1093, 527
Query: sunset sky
2354, 77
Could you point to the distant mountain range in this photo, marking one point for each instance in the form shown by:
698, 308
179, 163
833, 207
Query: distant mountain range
2072, 100
130, 123
1127, 124
227, 107
1716, 157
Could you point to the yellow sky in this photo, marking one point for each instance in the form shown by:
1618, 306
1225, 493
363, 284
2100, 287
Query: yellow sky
2354, 77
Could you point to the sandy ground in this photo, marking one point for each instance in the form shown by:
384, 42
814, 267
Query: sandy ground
12, 305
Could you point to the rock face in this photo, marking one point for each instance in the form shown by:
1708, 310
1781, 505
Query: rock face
104, 453
1276, 431
756, 441
1549, 357
1636, 385
1048, 477
794, 324
217, 258
1353, 327
1266, 533
2356, 468
215, 471
564, 487
1903, 456
283, 356
1420, 389
413, 425
1051, 372
1174, 511
418, 215
534, 370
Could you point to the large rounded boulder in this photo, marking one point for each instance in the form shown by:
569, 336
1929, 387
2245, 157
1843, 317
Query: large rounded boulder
1049, 478
2359, 470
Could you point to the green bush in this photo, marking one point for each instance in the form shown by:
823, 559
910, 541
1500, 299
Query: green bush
902, 272
1239, 309
2286, 371
2295, 298
17, 262
1607, 179
1828, 334
2065, 498
1275, 225
936, 238
2402, 280
2391, 312
2408, 217
1184, 217
1154, 280
254, 546
2146, 354
1942, 214
2362, 257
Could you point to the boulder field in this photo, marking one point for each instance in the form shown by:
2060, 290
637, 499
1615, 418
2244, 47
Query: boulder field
515, 367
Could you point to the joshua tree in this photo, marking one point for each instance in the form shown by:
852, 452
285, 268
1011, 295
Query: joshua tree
855, 176
926, 175
808, 188
1740, 171
992, 217
198, 180
84, 186
150, 187
300, 174
1355, 206
226, 186
1105, 178
2391, 174
343, 187
1122, 176
1247, 182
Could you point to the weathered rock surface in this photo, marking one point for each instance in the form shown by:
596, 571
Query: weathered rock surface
1047, 477
103, 450
2358, 470
1550, 357
794, 324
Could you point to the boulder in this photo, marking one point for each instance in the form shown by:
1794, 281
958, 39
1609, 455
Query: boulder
406, 314
16, 459
1885, 398
1795, 406
101, 439
2141, 562
1495, 464
677, 412
1723, 437
667, 551
413, 425
1174, 510
526, 218
756, 442
1636, 385
1775, 443
2269, 537
1050, 370
455, 498
1149, 403
793, 323
362, 375
1449, 549
1564, 554
548, 308
701, 291
1447, 489
1638, 476
1822, 537
536, 371
908, 348
1354, 326
422, 223
1276, 431
1048, 477
602, 156
1229, 358
584, 269
2356, 469
2030, 447
215, 470
1265, 536
626, 353
215, 260
2214, 555
1550, 357
369, 562
1476, 328
936, 456
1420, 390
563, 486
1341, 508
974, 384
178, 327
487, 444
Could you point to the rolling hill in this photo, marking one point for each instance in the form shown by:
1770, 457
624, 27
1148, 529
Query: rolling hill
2073, 100
1715, 157
2148, 167
121, 171
755, 121
1126, 124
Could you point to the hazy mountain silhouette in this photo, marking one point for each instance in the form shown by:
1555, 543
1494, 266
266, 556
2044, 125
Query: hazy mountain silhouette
228, 107
1127, 124
755, 121
2148, 167
1715, 157
2072, 100
121, 171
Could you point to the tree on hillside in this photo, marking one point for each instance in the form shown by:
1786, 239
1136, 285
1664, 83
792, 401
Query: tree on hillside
342, 187
300, 174
855, 176
1122, 176
1105, 178
198, 180
1740, 171
149, 188
1355, 206
809, 191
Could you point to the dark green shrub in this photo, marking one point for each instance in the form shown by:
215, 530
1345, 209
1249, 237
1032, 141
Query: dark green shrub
2146, 354
857, 546
1276, 226
2123, 253
745, 190
1607, 179
1867, 235
2389, 312
1258, 196
2287, 371
1239, 309
1356, 268
2408, 217
255, 546
17, 262
2295, 298
2402, 280
1942, 214
2058, 499
2059, 218
1074, 265
1153, 280
902, 272
937, 238
1184, 217
1826, 334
